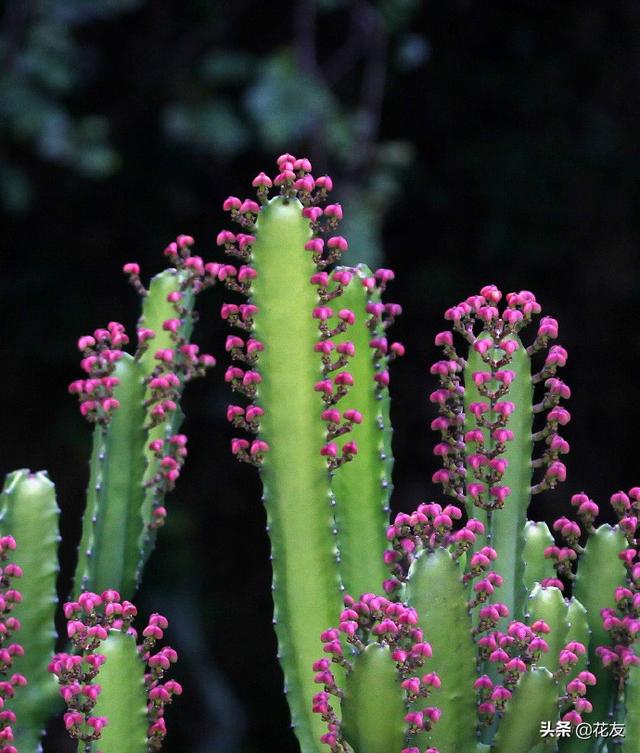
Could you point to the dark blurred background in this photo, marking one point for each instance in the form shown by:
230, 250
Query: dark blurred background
471, 142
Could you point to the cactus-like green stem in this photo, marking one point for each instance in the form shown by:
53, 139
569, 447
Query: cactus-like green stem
301, 368
362, 488
134, 403
435, 589
599, 572
547, 603
486, 418
29, 512
537, 567
123, 696
306, 588
534, 701
373, 706
109, 549
115, 690
295, 478
505, 526
157, 308
382, 652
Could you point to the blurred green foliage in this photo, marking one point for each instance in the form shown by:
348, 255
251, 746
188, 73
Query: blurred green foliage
43, 65
233, 99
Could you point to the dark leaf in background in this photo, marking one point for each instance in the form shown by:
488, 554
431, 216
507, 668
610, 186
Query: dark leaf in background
469, 142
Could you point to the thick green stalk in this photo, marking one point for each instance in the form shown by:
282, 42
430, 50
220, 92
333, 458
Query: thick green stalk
599, 572
507, 525
631, 741
548, 604
123, 697
534, 701
373, 706
578, 631
537, 567
29, 512
306, 584
436, 591
156, 309
109, 550
362, 488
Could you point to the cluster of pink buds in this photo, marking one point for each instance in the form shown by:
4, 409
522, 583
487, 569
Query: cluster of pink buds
295, 181
575, 691
622, 623
473, 454
183, 361
335, 356
195, 274
176, 365
9, 596
171, 454
100, 354
515, 652
393, 625
564, 557
429, 527
90, 620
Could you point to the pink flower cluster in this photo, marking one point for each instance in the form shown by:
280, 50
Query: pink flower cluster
90, 620
100, 354
429, 527
375, 619
9, 597
472, 447
174, 365
294, 180
516, 651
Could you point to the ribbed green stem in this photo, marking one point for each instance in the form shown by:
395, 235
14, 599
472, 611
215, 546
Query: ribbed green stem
306, 585
578, 631
631, 741
436, 591
548, 604
123, 697
600, 571
112, 525
155, 311
537, 567
534, 701
29, 512
373, 706
362, 487
507, 524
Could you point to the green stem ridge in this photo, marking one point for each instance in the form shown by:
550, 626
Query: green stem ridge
534, 701
290, 326
121, 706
537, 567
29, 512
109, 550
486, 419
382, 654
435, 589
547, 604
599, 572
133, 401
362, 488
